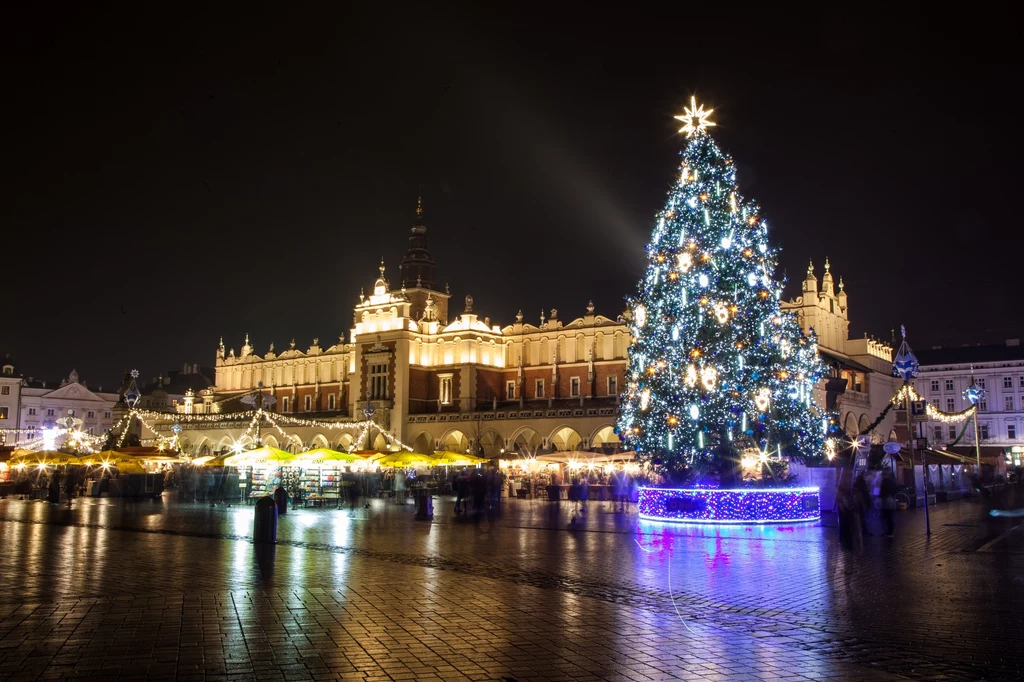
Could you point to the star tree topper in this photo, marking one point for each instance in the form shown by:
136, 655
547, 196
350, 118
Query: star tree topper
695, 119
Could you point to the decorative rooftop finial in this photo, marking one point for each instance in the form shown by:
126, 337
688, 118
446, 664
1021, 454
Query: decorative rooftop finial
519, 315
469, 304
419, 206
827, 266
810, 267
381, 268
841, 285
247, 338
590, 308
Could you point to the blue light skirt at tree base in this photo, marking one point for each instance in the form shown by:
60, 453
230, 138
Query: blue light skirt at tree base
735, 506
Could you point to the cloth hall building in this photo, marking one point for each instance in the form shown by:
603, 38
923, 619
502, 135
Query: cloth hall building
433, 380
438, 380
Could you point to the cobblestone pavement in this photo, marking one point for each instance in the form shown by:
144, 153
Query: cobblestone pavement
149, 590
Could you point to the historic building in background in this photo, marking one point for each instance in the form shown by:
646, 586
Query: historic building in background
432, 379
999, 370
861, 382
10, 400
26, 403
439, 380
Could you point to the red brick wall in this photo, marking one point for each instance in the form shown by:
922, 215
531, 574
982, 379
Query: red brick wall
425, 389
490, 384
421, 383
601, 374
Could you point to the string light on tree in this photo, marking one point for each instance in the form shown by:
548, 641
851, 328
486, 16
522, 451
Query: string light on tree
710, 279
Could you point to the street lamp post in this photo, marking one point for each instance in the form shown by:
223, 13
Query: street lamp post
906, 366
975, 394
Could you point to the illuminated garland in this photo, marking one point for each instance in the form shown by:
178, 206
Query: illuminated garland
874, 425
197, 418
935, 414
255, 417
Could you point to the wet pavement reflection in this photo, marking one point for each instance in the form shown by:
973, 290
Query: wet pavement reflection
114, 588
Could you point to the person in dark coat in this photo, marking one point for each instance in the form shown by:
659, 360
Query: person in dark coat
887, 492
862, 496
69, 485
54, 492
461, 492
850, 535
479, 487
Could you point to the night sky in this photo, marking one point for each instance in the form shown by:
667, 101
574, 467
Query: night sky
180, 176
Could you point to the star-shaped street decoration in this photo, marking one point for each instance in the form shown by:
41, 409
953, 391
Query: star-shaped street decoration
135, 374
695, 119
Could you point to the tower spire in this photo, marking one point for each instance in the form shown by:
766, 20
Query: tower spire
810, 282
418, 269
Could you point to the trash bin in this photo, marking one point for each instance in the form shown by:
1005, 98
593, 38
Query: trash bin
264, 521
424, 505
281, 497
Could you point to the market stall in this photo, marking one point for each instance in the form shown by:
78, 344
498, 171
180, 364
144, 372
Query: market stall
260, 471
327, 475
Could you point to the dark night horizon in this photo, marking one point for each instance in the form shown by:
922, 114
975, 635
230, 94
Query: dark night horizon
232, 175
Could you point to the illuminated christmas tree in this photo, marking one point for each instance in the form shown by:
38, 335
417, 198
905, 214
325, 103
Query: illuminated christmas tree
717, 371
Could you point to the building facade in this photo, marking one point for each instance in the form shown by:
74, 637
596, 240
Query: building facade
860, 384
438, 380
10, 401
999, 370
30, 405
432, 380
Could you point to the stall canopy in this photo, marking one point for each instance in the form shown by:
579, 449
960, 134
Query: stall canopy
126, 464
47, 458
405, 459
326, 455
579, 456
265, 454
457, 459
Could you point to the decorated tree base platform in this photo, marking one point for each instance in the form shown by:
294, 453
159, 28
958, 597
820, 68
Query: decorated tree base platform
730, 506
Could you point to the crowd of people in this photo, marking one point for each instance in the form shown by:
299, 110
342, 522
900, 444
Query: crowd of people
482, 487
